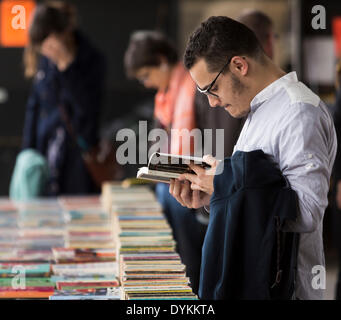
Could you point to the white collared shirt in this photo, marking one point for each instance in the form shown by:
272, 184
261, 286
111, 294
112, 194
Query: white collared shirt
293, 126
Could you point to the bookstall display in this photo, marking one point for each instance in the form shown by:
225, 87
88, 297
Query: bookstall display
110, 247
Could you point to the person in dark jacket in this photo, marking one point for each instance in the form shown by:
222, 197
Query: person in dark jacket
63, 109
241, 248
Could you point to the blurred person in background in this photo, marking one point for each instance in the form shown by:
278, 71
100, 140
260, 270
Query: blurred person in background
63, 108
152, 59
337, 179
262, 25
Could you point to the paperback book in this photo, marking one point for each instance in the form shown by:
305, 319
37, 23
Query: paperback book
163, 167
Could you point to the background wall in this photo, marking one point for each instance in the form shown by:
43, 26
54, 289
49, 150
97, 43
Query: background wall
192, 12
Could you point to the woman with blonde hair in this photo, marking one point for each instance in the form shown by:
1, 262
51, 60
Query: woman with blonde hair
63, 108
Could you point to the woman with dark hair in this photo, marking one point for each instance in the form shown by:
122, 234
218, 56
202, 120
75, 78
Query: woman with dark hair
152, 59
63, 108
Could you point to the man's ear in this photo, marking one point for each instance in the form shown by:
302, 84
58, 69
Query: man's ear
239, 65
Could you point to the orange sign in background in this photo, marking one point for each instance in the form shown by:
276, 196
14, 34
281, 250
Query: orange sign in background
14, 22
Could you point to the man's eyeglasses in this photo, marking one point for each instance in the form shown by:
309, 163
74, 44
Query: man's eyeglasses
210, 86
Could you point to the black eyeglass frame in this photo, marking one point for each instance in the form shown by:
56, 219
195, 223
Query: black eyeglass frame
210, 86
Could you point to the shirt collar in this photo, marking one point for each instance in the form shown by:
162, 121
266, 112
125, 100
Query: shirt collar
271, 89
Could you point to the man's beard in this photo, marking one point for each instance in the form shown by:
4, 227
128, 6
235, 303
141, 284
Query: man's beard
238, 88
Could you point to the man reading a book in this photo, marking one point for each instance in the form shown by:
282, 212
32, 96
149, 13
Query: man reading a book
285, 120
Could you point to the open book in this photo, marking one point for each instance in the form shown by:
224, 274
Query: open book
163, 167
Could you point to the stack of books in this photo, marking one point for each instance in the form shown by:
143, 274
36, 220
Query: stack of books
88, 225
57, 249
25, 280
114, 193
87, 269
85, 274
41, 225
117, 246
154, 276
149, 267
28, 232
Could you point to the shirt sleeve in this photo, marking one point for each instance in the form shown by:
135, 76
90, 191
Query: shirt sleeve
307, 147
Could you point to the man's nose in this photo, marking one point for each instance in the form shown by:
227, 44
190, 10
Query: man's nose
213, 101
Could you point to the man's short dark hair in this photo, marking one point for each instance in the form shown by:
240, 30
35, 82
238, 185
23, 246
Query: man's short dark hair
145, 49
258, 22
218, 39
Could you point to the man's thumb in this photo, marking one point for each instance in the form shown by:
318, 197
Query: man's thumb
210, 160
